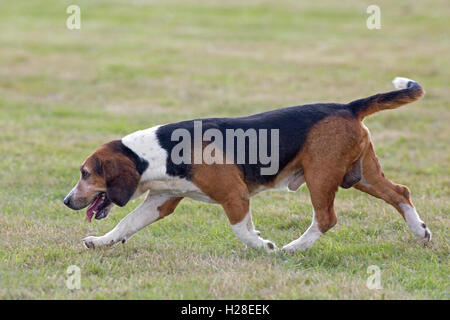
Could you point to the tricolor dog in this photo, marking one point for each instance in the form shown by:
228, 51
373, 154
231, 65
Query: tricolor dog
324, 145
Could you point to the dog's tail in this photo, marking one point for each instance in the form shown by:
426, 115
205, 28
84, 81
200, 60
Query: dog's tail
408, 91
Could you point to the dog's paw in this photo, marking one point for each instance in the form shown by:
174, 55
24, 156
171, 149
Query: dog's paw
415, 224
90, 242
289, 249
269, 246
93, 242
421, 231
426, 237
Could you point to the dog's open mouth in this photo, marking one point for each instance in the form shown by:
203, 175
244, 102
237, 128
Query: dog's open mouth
100, 207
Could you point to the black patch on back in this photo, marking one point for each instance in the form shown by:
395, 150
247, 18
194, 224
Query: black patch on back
119, 147
163, 135
293, 123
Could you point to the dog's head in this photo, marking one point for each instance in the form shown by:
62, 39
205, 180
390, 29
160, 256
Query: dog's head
109, 176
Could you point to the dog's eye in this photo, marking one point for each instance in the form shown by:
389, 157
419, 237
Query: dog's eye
85, 174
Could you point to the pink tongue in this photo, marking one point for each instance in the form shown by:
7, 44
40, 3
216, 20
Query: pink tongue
92, 207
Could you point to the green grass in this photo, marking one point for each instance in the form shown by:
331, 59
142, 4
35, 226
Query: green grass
135, 64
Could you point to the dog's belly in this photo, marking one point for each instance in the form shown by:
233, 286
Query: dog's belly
177, 187
290, 183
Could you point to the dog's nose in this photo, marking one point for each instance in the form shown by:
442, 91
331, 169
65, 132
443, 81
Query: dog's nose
67, 201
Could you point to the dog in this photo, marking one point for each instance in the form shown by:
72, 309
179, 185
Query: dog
325, 145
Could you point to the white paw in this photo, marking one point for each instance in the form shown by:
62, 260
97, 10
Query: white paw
417, 226
300, 244
426, 237
93, 242
289, 249
269, 246
297, 245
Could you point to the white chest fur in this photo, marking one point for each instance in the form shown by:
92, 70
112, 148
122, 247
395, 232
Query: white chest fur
145, 144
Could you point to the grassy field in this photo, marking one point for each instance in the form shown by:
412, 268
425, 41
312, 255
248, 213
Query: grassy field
135, 64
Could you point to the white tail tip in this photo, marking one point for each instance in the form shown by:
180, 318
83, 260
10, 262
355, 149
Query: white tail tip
401, 83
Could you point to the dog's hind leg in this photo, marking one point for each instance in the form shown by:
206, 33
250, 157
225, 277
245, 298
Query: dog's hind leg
330, 153
153, 208
376, 184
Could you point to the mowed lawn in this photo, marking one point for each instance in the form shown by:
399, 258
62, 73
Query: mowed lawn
135, 64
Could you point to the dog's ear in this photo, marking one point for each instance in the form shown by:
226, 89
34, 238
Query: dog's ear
121, 179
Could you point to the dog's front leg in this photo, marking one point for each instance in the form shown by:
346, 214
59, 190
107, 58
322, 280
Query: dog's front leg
152, 209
